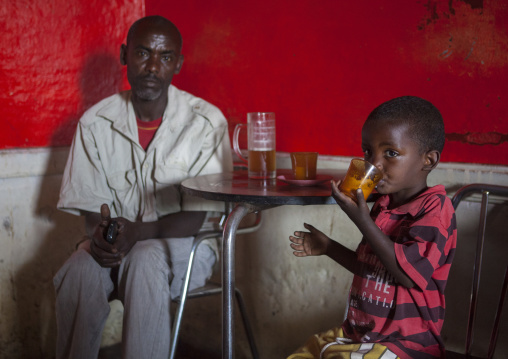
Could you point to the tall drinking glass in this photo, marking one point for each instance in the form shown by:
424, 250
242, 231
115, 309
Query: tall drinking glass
261, 144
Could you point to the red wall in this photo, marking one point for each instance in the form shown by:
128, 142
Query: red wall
321, 66
58, 58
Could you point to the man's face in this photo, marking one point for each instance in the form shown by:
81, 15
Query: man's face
152, 56
391, 148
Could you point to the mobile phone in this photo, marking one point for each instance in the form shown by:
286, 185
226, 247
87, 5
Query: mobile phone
111, 232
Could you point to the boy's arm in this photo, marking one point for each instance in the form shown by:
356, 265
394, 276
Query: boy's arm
384, 249
342, 255
378, 241
316, 243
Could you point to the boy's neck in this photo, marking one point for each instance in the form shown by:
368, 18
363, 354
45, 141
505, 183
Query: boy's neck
398, 199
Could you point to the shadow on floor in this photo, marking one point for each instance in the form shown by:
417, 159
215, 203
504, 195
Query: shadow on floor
184, 351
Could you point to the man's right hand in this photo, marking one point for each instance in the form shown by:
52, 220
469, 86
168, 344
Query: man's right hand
103, 252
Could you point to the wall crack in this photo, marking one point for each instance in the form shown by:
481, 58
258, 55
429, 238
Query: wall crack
478, 138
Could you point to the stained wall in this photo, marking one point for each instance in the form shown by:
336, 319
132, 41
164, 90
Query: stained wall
59, 58
321, 66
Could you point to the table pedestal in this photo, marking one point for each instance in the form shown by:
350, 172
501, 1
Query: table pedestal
251, 196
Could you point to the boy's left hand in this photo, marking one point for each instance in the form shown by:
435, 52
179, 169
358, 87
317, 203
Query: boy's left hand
357, 212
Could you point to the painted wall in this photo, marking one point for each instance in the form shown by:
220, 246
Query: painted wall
318, 65
287, 298
322, 66
59, 58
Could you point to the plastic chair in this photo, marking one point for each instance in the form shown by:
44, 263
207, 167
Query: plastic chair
485, 190
210, 289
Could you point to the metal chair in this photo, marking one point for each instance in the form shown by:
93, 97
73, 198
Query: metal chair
485, 190
210, 289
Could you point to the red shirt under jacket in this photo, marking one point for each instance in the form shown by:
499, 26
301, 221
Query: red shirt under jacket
146, 131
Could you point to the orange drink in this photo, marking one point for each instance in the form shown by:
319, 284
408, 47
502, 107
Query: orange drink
261, 144
262, 164
304, 165
361, 174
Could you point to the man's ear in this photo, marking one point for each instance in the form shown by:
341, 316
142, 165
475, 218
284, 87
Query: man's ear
123, 54
431, 159
179, 64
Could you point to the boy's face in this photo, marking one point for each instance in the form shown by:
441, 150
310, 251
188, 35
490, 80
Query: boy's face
390, 147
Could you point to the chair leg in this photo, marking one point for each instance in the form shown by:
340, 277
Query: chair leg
495, 329
246, 324
183, 298
175, 332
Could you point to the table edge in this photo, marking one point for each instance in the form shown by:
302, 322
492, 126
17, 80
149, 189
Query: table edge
259, 200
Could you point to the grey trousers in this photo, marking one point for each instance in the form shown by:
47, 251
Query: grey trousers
150, 275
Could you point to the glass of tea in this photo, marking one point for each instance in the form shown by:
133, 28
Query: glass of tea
361, 174
304, 165
261, 144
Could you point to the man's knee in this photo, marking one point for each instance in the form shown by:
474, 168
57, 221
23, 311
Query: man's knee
201, 272
149, 253
80, 272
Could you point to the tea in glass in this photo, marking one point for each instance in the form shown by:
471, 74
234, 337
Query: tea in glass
261, 144
361, 174
261, 164
304, 165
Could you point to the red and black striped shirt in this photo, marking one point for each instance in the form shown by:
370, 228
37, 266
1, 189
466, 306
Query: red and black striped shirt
406, 320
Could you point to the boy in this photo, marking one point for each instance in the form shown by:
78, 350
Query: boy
396, 305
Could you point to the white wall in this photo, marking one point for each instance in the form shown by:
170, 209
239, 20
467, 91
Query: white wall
288, 298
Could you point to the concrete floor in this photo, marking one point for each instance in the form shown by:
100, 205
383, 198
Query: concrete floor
184, 351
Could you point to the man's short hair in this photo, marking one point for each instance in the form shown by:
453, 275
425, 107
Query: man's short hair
155, 20
424, 119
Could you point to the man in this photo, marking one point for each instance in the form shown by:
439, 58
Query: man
129, 154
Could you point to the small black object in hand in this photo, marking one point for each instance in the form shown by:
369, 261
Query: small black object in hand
111, 233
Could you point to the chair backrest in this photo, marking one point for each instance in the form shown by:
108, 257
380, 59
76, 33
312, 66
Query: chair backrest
485, 190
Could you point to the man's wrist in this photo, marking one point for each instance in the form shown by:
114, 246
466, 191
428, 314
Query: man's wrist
329, 245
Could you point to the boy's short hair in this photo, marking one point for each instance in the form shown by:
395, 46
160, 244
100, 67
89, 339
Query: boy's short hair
424, 120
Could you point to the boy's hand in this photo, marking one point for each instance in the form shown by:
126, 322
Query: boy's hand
357, 212
313, 243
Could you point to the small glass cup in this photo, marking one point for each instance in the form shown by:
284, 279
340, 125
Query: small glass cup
361, 174
304, 165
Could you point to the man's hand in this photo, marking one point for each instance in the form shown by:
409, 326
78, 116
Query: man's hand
104, 253
127, 235
313, 243
358, 211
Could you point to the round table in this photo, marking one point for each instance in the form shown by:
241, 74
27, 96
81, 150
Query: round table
251, 195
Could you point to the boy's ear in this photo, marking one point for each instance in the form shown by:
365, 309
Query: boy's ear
431, 159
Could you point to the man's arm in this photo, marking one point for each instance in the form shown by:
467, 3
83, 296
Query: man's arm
180, 224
